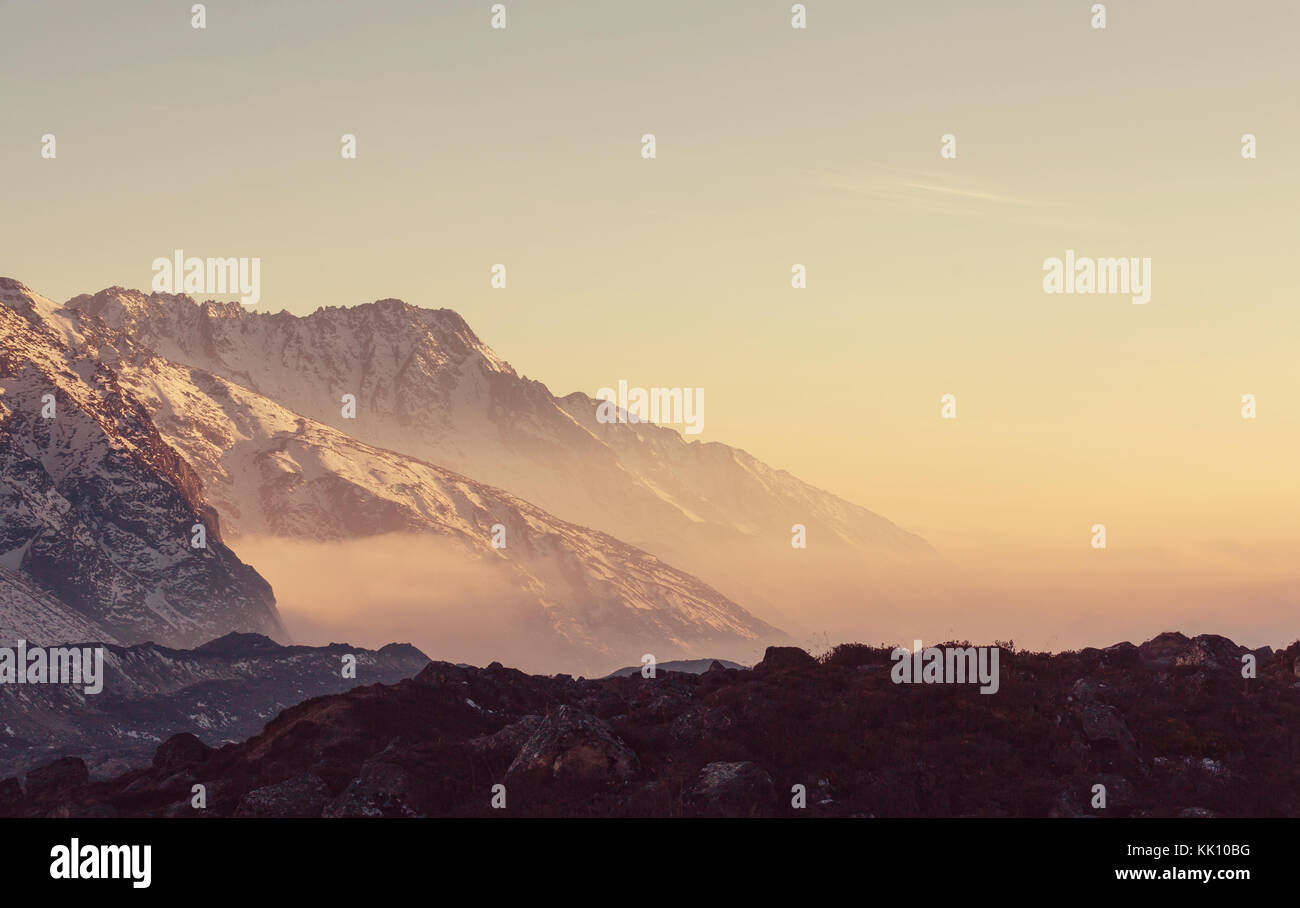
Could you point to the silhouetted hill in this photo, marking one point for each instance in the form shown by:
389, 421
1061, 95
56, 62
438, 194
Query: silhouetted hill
224, 690
691, 666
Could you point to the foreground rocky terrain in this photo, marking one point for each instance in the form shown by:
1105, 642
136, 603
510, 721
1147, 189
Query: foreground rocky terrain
1170, 728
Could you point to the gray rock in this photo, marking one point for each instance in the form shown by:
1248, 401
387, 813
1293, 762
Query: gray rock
384, 789
573, 747
733, 790
1104, 725
1090, 689
507, 741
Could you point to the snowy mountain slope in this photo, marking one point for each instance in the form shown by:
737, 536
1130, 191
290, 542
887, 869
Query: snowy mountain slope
272, 472
721, 486
97, 509
29, 613
269, 471
425, 385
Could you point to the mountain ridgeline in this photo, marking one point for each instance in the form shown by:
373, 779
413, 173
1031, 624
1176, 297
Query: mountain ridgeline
613, 539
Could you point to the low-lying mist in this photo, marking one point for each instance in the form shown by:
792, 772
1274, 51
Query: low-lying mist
423, 590
401, 588
426, 590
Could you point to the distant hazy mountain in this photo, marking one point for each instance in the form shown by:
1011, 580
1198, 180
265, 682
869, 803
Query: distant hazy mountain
689, 666
426, 386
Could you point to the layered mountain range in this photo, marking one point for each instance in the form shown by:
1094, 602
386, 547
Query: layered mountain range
620, 538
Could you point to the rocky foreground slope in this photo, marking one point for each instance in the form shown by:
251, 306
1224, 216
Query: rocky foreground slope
1170, 728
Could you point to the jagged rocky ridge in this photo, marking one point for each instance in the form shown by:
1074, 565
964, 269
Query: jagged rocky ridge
584, 598
225, 690
428, 387
1171, 728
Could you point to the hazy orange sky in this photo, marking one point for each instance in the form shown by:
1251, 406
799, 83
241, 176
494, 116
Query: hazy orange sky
775, 146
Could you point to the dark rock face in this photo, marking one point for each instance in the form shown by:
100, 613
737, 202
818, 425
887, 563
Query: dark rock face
509, 740
62, 774
1103, 724
573, 748
785, 658
1164, 737
382, 789
733, 790
1120, 655
180, 751
103, 509
1208, 651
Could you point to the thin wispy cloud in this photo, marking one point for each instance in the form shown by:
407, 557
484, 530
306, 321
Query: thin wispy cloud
939, 194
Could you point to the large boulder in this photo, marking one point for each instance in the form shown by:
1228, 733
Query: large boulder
1119, 655
383, 789
572, 747
1090, 689
62, 774
508, 740
178, 752
1170, 649
732, 790
785, 658
1207, 651
1104, 725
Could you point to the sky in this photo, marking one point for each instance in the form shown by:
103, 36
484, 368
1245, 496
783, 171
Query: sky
774, 146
